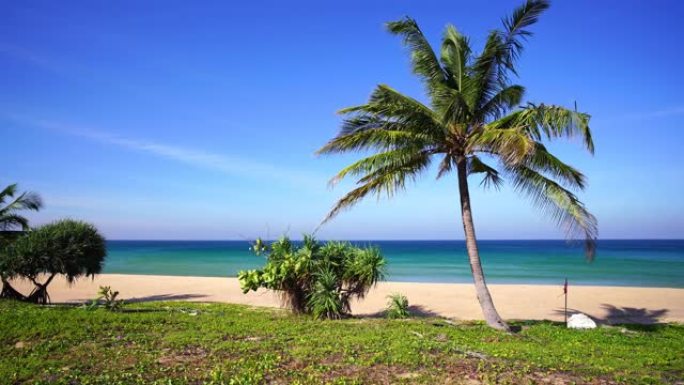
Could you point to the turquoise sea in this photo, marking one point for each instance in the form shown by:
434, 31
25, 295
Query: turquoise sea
656, 263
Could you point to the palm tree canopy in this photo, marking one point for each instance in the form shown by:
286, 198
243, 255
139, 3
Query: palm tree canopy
474, 114
10, 206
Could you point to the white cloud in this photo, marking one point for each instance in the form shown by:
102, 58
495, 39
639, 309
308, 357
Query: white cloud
662, 113
230, 165
665, 112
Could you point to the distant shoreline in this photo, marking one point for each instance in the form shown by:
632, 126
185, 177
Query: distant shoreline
639, 263
519, 301
559, 283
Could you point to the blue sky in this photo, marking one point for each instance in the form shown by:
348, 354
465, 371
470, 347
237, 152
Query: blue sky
175, 120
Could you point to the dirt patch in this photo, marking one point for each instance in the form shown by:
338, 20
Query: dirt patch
188, 355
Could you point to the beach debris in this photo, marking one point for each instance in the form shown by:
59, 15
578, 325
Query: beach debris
471, 353
419, 335
190, 312
580, 321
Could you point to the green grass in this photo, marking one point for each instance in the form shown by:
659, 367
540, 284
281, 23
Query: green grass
173, 343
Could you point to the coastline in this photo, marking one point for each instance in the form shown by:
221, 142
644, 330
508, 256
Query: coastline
609, 304
650, 263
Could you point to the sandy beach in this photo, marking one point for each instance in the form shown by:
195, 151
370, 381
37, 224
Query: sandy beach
457, 301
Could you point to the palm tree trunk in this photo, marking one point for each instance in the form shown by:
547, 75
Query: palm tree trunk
486, 303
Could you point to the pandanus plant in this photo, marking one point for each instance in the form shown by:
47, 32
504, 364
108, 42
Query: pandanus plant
314, 278
475, 123
65, 247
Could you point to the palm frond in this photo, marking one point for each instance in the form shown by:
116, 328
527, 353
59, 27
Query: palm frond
542, 160
388, 180
553, 121
423, 59
515, 31
389, 103
491, 178
445, 165
10, 221
383, 138
453, 109
455, 55
502, 101
502, 49
488, 74
25, 201
8, 192
559, 204
386, 106
511, 145
549, 122
389, 120
368, 166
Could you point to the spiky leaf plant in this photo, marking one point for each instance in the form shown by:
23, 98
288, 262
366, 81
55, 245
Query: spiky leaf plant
72, 248
314, 278
397, 306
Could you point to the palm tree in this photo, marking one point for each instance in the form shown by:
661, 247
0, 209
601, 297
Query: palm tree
473, 118
10, 219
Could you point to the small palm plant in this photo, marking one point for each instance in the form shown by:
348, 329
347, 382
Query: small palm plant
397, 306
107, 298
314, 278
11, 205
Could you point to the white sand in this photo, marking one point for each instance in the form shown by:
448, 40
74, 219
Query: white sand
458, 301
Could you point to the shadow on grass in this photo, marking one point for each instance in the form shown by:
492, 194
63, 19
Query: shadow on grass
422, 312
631, 317
415, 311
165, 297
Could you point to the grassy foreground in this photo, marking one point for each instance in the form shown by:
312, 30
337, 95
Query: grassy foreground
174, 343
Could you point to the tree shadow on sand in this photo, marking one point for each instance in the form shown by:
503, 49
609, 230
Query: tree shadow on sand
615, 315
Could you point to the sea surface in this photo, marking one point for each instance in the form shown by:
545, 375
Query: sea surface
648, 263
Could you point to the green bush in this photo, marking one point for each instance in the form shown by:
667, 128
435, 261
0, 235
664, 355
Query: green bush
314, 278
107, 298
397, 306
67, 247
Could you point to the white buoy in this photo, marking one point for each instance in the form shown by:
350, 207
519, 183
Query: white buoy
581, 321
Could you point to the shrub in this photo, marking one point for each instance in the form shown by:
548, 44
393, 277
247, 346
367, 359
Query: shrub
107, 298
314, 278
67, 247
397, 306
